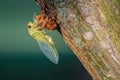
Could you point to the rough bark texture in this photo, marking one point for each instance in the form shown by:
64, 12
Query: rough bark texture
92, 30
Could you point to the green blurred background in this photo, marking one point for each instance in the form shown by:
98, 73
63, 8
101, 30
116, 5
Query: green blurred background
20, 57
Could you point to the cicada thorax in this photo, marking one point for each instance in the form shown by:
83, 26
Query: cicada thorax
46, 21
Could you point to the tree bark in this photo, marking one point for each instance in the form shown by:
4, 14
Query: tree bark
92, 30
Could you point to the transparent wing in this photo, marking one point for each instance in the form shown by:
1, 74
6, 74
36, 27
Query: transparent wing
49, 51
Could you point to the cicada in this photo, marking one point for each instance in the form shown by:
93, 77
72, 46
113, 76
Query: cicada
46, 43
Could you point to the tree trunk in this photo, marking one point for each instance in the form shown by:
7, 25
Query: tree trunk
92, 30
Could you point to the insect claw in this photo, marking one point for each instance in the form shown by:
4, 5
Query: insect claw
34, 17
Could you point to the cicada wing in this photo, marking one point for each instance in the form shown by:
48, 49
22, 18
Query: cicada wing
49, 51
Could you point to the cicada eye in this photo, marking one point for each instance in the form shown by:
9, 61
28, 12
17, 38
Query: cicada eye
40, 28
29, 26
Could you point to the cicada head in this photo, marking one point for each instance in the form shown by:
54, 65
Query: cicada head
31, 27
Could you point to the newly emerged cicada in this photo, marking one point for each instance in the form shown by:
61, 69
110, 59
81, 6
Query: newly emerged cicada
45, 42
